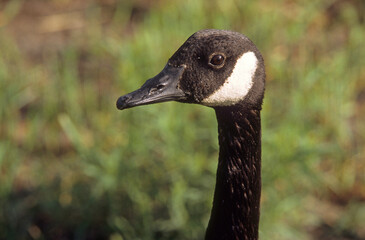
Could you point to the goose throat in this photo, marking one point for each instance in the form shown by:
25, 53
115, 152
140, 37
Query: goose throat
236, 205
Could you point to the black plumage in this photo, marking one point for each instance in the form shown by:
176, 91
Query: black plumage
191, 76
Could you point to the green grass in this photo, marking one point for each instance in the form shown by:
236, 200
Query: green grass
73, 166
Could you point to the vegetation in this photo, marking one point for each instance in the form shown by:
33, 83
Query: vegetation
73, 167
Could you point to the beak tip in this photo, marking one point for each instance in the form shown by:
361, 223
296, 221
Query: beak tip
122, 102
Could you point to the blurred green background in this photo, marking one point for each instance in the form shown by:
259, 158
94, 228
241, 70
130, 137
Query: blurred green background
74, 167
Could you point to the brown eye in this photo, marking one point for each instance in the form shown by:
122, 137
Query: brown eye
217, 60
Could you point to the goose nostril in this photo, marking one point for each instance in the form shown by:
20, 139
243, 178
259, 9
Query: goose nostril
159, 87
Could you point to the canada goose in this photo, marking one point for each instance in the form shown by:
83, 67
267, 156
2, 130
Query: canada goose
223, 70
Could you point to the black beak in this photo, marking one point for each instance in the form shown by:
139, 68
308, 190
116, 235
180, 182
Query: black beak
161, 88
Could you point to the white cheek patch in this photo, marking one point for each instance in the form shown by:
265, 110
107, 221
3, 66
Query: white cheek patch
236, 87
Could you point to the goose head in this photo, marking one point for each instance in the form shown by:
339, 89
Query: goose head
215, 68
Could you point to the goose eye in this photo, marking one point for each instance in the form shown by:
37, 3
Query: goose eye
217, 60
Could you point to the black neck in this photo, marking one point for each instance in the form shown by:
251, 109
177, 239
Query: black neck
236, 205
